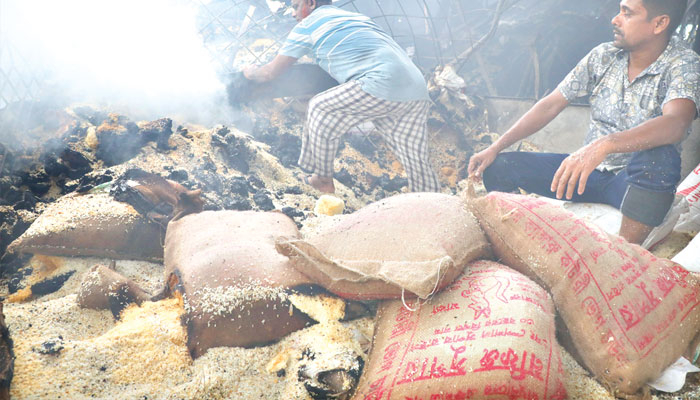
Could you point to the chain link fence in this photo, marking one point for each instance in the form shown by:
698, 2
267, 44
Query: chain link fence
525, 47
20, 82
433, 32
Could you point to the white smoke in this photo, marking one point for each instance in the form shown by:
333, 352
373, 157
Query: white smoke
144, 58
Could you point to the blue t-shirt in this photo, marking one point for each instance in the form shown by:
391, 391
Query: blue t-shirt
350, 46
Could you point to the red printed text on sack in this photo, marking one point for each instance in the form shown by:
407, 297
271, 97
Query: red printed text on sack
459, 395
376, 389
426, 369
390, 353
511, 391
520, 366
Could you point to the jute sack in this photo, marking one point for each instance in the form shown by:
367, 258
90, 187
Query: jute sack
489, 335
412, 244
629, 313
92, 225
233, 282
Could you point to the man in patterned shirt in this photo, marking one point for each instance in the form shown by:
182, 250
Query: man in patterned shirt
644, 90
378, 83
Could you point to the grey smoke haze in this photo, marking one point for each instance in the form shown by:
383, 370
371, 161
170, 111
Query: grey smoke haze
142, 58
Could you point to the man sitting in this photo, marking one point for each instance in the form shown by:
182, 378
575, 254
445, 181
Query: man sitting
644, 90
379, 83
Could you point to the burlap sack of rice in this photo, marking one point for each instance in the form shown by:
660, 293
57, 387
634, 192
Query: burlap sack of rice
234, 284
412, 245
92, 225
489, 335
629, 313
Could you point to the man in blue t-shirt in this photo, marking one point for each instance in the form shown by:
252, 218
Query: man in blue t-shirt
378, 83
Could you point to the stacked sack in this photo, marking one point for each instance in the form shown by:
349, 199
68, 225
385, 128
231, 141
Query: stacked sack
630, 314
448, 326
488, 335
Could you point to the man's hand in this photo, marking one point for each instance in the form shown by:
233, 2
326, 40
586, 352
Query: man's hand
269, 71
577, 167
480, 161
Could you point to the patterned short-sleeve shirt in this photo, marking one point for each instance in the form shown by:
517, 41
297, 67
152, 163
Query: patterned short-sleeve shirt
618, 104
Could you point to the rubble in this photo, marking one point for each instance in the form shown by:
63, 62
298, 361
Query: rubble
235, 170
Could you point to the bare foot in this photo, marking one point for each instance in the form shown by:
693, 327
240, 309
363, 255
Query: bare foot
321, 183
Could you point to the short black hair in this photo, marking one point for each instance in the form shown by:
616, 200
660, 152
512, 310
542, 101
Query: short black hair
675, 9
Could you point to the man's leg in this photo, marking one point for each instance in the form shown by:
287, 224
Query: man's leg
329, 117
408, 135
533, 172
652, 176
634, 231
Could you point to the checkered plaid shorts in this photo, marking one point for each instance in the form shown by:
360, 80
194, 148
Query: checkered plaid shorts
404, 125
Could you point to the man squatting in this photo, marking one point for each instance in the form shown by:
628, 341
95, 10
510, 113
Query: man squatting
644, 94
378, 83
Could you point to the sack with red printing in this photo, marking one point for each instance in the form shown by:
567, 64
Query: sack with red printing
690, 190
630, 314
489, 335
412, 244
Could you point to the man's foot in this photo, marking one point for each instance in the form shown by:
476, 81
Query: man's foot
321, 183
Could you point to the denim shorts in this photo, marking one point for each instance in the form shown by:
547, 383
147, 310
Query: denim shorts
643, 191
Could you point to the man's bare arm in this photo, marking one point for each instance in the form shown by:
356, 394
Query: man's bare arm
669, 128
270, 70
532, 121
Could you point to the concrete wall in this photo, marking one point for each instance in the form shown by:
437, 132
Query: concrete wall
567, 131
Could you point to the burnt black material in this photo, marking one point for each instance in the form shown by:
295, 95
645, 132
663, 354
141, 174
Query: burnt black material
158, 131
78, 163
391, 184
119, 300
118, 145
209, 181
292, 212
51, 285
237, 203
345, 177
37, 181
362, 144
26, 201
293, 190
54, 167
285, 146
89, 182
263, 201
240, 186
121, 190
12, 263
51, 346
16, 281
7, 358
256, 182
235, 151
178, 175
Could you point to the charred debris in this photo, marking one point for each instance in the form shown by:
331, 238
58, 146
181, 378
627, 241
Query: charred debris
82, 149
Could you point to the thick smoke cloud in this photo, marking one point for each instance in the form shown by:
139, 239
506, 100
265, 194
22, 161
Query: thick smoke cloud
142, 58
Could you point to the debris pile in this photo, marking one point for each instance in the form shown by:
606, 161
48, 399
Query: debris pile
259, 294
